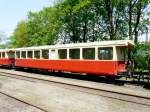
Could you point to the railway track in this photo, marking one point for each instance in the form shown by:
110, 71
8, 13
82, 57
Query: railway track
27, 103
141, 100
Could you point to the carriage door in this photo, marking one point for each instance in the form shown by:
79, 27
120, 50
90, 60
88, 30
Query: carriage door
121, 58
11, 57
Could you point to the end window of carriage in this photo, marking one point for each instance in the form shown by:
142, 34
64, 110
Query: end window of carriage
45, 54
11, 54
62, 53
105, 53
3, 54
74, 53
89, 53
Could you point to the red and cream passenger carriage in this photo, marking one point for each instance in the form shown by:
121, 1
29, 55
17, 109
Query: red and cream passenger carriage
100, 58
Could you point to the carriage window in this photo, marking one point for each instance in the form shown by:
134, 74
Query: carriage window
121, 53
3, 54
45, 54
0, 54
105, 53
74, 53
23, 54
37, 54
62, 53
30, 54
11, 54
18, 54
88, 53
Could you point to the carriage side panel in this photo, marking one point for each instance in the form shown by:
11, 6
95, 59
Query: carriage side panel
95, 67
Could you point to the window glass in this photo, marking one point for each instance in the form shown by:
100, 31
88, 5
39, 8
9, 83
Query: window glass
18, 54
74, 53
3, 54
88, 53
105, 53
62, 53
37, 54
45, 54
23, 54
30, 54
121, 53
11, 54
0, 54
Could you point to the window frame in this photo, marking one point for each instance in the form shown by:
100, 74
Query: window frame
66, 54
79, 58
119, 51
37, 55
28, 56
22, 54
19, 54
103, 48
4, 56
42, 56
89, 48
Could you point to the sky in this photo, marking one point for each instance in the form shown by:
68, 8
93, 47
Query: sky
13, 11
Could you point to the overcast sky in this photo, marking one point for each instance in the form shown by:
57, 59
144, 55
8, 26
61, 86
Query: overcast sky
12, 11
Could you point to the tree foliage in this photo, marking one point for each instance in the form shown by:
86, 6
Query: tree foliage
40, 28
74, 21
43, 26
91, 20
141, 56
20, 37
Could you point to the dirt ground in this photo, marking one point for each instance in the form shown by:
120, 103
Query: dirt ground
57, 99
10, 105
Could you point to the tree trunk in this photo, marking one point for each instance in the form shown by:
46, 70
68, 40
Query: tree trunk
139, 12
85, 31
109, 9
130, 19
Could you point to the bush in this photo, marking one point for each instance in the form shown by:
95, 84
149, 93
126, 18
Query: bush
141, 56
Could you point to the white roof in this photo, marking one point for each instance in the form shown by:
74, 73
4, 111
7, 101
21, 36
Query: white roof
77, 45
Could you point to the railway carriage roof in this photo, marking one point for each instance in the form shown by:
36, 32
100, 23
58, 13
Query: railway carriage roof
77, 45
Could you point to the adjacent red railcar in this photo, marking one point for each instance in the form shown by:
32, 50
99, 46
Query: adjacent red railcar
101, 58
6, 57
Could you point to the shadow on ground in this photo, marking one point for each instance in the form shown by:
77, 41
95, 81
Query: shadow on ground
88, 77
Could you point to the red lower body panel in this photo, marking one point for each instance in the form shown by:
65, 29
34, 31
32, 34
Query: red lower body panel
121, 66
94, 67
5, 61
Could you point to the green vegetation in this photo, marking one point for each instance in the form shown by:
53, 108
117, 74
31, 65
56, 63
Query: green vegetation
74, 21
141, 56
20, 36
43, 26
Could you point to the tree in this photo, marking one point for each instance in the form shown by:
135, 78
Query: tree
69, 31
136, 12
141, 56
19, 37
74, 21
93, 20
43, 26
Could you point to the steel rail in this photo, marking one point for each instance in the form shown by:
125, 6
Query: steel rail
27, 103
142, 100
